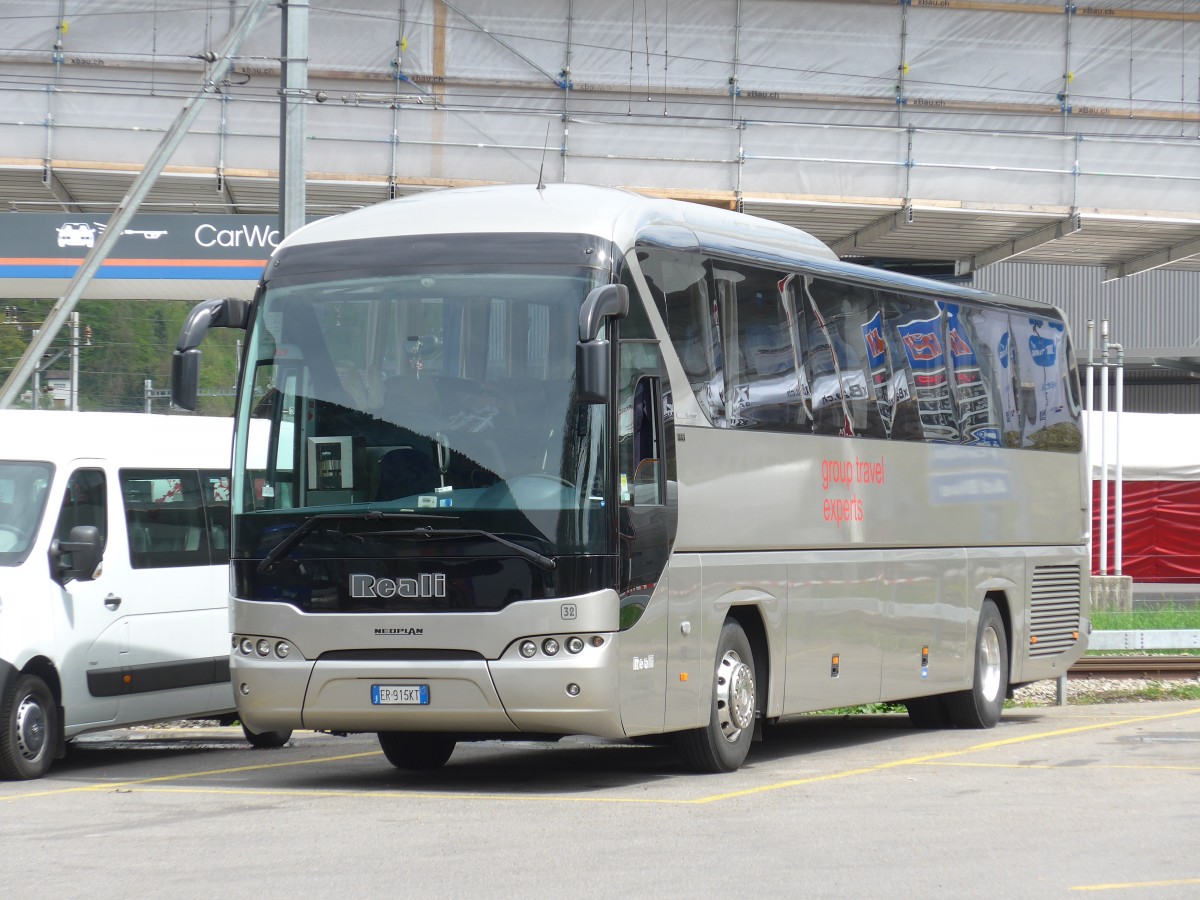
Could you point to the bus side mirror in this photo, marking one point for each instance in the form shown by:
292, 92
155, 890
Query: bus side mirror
185, 378
226, 312
593, 374
77, 558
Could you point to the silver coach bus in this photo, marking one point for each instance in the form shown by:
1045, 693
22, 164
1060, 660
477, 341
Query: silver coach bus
525, 462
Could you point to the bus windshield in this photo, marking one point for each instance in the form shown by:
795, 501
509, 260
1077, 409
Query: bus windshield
419, 410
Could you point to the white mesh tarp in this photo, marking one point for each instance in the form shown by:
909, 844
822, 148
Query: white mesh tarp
997, 103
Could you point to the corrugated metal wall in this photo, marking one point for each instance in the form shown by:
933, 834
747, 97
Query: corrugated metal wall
1153, 309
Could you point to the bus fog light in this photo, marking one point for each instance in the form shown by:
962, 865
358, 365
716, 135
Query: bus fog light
573, 689
528, 649
263, 647
244, 688
550, 646
282, 649
247, 646
574, 644
236, 641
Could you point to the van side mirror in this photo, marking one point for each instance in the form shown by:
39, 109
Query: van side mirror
593, 367
78, 557
225, 312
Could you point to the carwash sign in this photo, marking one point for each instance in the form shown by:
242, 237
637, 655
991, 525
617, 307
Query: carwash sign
48, 248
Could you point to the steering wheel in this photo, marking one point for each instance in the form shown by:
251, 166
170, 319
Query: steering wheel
18, 536
531, 490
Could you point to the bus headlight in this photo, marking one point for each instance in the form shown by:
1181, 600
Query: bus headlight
282, 649
247, 646
574, 645
528, 649
550, 646
263, 647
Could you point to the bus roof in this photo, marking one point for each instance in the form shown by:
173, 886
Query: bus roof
611, 213
620, 216
129, 439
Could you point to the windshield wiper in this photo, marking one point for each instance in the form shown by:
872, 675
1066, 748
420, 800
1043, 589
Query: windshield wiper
428, 531
310, 524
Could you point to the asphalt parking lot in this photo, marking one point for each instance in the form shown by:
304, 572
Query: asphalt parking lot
1053, 802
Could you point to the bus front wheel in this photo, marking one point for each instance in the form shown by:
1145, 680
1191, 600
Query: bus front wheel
416, 752
980, 706
722, 745
29, 720
266, 740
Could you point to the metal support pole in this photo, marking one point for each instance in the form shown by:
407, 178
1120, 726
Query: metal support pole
1104, 447
1119, 486
293, 90
147, 387
74, 405
1089, 444
220, 63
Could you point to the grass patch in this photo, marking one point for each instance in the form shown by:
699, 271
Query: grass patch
1154, 690
1165, 618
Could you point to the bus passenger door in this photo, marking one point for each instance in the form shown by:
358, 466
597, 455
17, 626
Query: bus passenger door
644, 539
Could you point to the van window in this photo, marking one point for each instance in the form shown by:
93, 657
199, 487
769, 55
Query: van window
84, 504
166, 517
23, 489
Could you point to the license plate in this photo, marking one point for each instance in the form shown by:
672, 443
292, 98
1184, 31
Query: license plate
402, 694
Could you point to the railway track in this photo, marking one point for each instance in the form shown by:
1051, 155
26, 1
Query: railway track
1156, 667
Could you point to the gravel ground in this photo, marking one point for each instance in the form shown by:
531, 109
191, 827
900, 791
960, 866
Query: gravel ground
1097, 690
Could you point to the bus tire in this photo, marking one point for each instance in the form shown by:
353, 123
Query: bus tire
722, 744
266, 740
30, 729
416, 752
928, 712
980, 706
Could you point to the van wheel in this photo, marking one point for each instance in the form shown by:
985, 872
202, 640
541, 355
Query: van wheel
266, 740
722, 745
980, 706
416, 752
30, 722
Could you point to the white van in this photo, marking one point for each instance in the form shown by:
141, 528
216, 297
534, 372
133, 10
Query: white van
114, 552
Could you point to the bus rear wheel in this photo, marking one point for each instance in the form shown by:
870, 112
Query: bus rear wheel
980, 707
30, 729
722, 745
416, 752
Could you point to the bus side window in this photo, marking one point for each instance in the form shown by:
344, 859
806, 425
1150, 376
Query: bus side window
972, 379
920, 334
691, 319
1049, 418
639, 435
762, 387
838, 318
84, 503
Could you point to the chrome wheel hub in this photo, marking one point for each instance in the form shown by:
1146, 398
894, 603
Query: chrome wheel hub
31, 729
989, 655
735, 696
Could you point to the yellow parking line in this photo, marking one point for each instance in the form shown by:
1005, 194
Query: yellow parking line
116, 785
929, 759
948, 754
1089, 767
1134, 885
385, 794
